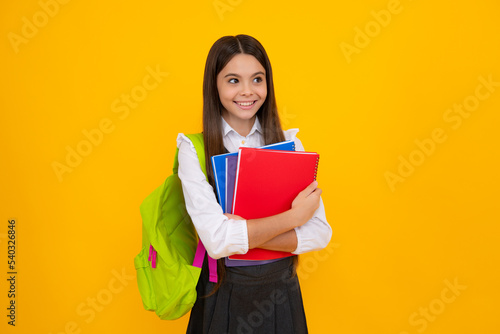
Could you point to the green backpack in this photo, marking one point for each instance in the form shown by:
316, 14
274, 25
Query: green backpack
169, 264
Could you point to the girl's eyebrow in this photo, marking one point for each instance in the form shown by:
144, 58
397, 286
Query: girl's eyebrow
238, 76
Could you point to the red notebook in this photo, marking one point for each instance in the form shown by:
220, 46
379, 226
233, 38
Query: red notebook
267, 182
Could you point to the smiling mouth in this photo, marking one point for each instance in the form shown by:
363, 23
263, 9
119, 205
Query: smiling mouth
245, 104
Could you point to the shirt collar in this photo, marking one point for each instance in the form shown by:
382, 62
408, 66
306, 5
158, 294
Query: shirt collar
227, 128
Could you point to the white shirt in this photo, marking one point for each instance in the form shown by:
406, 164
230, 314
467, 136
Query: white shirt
223, 236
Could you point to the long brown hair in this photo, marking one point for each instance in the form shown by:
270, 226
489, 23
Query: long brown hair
223, 50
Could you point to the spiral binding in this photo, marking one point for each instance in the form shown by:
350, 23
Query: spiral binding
316, 168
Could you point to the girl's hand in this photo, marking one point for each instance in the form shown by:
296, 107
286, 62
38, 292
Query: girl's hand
231, 216
306, 202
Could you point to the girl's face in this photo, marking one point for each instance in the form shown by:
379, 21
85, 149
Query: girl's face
242, 89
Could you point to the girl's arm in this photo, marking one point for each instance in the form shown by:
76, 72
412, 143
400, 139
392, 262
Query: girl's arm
285, 242
220, 236
277, 232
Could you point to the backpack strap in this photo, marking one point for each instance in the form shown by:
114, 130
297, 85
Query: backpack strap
199, 146
212, 263
197, 140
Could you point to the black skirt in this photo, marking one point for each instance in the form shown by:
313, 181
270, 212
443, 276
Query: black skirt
251, 300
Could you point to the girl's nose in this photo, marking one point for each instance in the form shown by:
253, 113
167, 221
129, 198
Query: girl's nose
246, 90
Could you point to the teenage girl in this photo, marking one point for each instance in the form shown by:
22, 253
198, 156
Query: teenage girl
239, 109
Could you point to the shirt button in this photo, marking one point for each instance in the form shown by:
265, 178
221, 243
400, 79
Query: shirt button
243, 142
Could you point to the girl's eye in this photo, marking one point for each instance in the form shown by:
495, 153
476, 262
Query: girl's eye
256, 80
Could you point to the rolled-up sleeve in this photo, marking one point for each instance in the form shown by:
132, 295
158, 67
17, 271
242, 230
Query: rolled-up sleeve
220, 235
316, 233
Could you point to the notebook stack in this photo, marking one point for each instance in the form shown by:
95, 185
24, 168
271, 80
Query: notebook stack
261, 182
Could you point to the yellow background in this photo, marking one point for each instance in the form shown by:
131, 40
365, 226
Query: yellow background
393, 249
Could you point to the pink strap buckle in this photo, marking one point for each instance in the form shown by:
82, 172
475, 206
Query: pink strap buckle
152, 256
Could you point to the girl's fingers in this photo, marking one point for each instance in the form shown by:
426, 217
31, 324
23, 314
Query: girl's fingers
310, 188
231, 216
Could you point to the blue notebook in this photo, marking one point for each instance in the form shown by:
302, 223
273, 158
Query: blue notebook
219, 165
